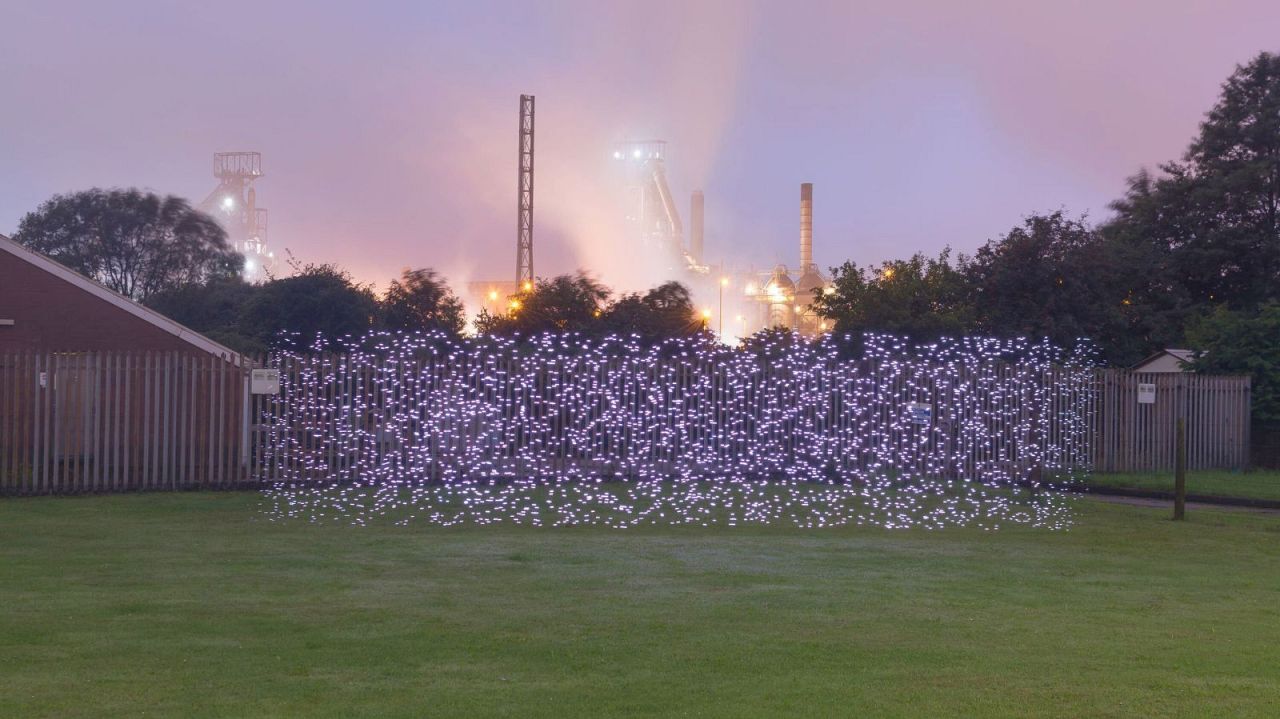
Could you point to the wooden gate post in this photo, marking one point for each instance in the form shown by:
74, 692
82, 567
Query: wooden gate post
1180, 473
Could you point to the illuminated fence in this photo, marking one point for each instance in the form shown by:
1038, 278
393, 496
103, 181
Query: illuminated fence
419, 412
130, 421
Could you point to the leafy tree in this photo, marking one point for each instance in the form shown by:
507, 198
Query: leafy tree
136, 243
420, 300
318, 301
1211, 223
1243, 342
568, 303
922, 298
214, 310
662, 312
1055, 277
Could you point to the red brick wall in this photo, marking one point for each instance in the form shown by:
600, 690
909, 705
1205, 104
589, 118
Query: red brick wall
51, 314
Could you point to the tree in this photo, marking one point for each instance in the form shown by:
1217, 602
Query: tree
1242, 342
420, 300
1213, 219
662, 312
320, 301
568, 303
214, 309
922, 298
135, 243
1055, 277
1233, 342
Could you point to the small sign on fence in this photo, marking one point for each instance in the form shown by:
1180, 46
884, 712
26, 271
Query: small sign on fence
920, 413
1146, 393
264, 381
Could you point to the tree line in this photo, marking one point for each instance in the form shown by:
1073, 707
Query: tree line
1189, 257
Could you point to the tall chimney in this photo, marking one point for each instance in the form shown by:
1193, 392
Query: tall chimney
695, 230
806, 227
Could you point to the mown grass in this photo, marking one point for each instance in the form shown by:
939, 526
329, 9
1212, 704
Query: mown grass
1221, 483
192, 605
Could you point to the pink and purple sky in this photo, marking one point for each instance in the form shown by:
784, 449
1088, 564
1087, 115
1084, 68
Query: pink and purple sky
388, 128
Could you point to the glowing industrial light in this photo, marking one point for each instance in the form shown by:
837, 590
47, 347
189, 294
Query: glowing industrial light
888, 273
636, 154
750, 289
228, 203
829, 290
527, 285
248, 264
724, 281
493, 295
617, 155
515, 304
706, 314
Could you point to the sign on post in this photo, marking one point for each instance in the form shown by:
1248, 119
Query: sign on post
1146, 393
264, 381
920, 413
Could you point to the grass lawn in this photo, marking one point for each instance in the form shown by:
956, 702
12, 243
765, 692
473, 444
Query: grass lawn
189, 605
1222, 483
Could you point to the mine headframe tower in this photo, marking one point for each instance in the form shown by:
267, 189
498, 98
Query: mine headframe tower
651, 208
234, 203
524, 197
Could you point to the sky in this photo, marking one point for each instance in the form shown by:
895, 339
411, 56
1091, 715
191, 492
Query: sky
388, 129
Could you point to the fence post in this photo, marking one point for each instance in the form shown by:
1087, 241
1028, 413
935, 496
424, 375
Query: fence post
1180, 473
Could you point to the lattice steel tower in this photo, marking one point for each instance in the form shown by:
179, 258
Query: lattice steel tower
234, 203
524, 197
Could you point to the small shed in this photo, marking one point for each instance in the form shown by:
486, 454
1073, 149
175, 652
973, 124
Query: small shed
1166, 360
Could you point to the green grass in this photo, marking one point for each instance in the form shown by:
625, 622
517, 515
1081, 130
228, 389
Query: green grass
1250, 485
190, 605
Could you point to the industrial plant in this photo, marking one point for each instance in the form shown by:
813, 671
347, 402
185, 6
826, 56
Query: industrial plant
745, 299
234, 203
738, 300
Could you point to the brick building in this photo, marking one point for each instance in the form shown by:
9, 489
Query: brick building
47, 307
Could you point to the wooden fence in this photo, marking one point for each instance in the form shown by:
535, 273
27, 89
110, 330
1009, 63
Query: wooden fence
1133, 436
108, 422
123, 421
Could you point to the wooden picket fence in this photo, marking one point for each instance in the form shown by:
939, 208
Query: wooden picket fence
1130, 436
124, 421
129, 421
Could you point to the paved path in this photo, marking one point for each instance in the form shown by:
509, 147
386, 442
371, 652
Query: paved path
1191, 506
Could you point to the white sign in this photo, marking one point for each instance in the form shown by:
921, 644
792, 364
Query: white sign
1146, 393
264, 381
920, 413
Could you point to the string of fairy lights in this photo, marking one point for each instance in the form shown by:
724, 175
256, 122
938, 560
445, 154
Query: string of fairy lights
564, 430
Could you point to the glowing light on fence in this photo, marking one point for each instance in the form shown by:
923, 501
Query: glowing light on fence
561, 430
